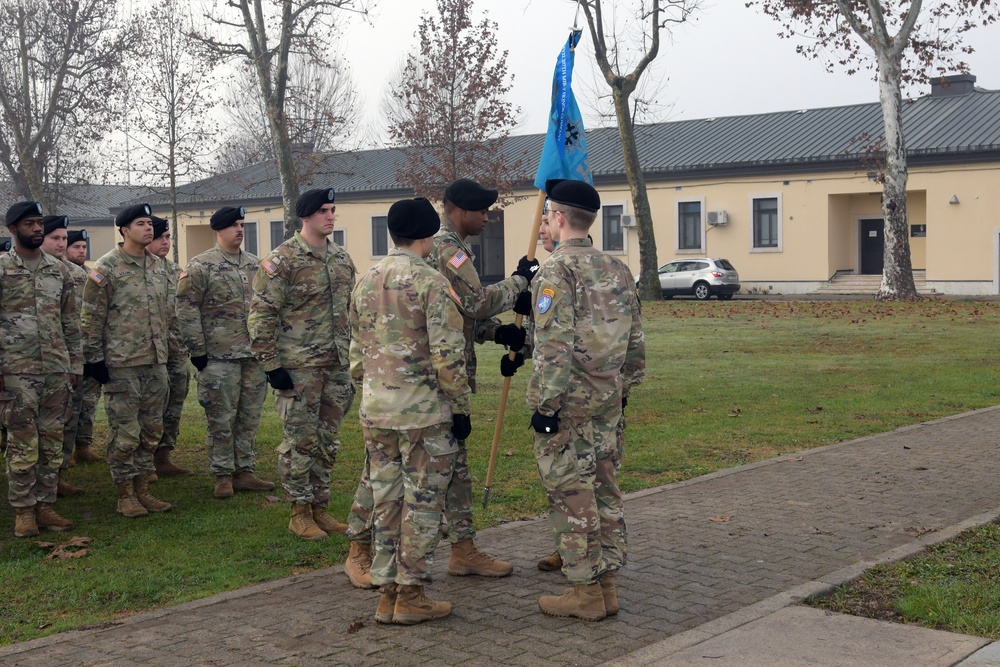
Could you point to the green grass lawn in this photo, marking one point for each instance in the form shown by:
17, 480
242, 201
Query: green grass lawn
727, 383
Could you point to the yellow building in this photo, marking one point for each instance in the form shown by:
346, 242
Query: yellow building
784, 196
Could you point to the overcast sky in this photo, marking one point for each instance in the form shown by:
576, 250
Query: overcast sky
728, 60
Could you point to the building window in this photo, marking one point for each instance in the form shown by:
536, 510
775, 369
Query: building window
765, 222
689, 225
380, 236
918, 231
611, 229
338, 237
250, 237
277, 233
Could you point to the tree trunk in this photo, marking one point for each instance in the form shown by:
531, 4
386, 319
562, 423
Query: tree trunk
897, 271
286, 172
649, 284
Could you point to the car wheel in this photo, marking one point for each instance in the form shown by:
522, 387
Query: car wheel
701, 292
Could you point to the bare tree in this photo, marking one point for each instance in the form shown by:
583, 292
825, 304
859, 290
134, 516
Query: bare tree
264, 33
450, 114
169, 108
626, 40
58, 65
905, 42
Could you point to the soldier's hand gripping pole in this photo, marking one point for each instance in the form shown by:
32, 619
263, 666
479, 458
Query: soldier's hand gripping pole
518, 319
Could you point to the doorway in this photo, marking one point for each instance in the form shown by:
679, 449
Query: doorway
872, 246
488, 248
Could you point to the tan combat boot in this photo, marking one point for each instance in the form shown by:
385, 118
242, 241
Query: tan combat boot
142, 494
359, 565
302, 523
609, 593
326, 522
128, 504
46, 517
66, 490
467, 559
412, 606
164, 466
223, 487
551, 563
386, 603
24, 522
84, 455
584, 601
247, 481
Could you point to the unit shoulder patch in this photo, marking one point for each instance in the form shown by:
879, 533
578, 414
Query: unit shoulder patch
544, 300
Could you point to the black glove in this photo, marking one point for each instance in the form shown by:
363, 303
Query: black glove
200, 361
508, 367
545, 425
510, 335
523, 304
97, 370
280, 379
624, 403
526, 268
461, 426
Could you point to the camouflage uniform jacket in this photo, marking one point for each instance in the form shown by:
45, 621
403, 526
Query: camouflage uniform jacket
127, 303
213, 302
588, 340
39, 322
478, 304
175, 342
406, 345
298, 316
79, 275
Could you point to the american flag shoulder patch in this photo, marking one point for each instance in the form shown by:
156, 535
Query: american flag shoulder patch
184, 274
269, 266
96, 276
454, 295
459, 259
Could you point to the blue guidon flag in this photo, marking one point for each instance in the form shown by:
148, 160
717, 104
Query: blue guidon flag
565, 152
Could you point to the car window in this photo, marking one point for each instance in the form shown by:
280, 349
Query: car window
724, 263
672, 267
698, 266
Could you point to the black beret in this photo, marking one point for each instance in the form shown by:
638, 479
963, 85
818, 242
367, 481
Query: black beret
76, 236
160, 226
413, 219
131, 213
5, 245
468, 195
311, 201
227, 216
23, 209
54, 222
577, 194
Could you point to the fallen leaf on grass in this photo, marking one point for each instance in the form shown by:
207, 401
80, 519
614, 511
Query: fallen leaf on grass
918, 531
73, 548
272, 499
698, 410
735, 412
509, 452
719, 519
355, 626
796, 459
816, 409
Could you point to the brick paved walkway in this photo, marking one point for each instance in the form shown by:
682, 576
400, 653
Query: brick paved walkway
792, 520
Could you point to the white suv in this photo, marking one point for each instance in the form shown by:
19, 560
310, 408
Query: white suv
701, 277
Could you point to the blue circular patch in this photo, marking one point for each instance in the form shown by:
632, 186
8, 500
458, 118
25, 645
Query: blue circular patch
544, 303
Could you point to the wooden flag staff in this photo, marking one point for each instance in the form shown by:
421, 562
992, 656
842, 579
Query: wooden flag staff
518, 319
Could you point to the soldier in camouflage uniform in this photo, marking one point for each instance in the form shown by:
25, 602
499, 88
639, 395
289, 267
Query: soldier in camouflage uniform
466, 204
213, 302
177, 363
407, 351
300, 334
127, 304
89, 389
40, 360
588, 350
54, 245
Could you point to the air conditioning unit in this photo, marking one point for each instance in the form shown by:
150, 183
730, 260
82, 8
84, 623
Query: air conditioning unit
628, 221
718, 218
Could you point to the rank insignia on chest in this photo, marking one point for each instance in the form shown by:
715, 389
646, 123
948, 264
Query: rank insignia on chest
96, 276
269, 266
459, 259
244, 277
544, 301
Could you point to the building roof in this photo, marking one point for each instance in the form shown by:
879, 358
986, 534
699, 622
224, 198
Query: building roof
86, 203
951, 128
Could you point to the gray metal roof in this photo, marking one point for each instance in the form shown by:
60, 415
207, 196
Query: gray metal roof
941, 129
85, 203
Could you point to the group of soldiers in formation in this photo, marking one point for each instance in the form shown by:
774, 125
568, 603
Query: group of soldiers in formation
301, 321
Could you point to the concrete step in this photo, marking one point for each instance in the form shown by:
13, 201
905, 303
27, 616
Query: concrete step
853, 283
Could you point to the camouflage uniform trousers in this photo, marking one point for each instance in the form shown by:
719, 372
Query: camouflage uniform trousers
410, 471
72, 424
90, 396
232, 393
578, 468
33, 409
134, 399
311, 414
457, 524
179, 378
